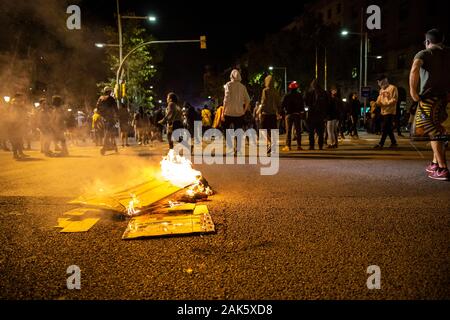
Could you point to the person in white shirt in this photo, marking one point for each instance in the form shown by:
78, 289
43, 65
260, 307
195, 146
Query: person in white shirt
235, 103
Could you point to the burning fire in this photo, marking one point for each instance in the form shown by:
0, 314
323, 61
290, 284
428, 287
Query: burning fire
178, 170
131, 210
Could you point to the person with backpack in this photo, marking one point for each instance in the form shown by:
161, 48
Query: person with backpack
107, 108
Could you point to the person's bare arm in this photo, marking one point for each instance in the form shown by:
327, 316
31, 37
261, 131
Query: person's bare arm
414, 77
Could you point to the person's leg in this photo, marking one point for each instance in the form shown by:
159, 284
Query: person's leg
312, 129
384, 126
328, 130
298, 130
336, 132
390, 130
169, 136
439, 156
289, 124
320, 131
228, 122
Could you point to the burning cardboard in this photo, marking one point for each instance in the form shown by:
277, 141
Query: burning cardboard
175, 223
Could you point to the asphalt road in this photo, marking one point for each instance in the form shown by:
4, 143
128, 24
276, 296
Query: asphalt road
309, 232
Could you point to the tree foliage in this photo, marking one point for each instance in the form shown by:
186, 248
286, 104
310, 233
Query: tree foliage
295, 49
140, 69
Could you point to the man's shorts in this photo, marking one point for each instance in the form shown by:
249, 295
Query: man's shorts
428, 120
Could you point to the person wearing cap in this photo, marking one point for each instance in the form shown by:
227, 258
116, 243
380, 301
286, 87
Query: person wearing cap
107, 108
235, 103
293, 107
387, 101
431, 72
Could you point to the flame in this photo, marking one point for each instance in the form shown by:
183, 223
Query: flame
178, 170
131, 210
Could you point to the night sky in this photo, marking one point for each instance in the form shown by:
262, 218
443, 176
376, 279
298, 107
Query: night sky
32, 28
228, 25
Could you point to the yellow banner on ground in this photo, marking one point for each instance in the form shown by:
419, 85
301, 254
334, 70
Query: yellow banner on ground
170, 223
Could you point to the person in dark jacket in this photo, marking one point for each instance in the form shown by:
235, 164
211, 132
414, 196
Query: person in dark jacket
355, 109
293, 108
45, 127
332, 117
59, 125
173, 118
17, 125
107, 108
316, 99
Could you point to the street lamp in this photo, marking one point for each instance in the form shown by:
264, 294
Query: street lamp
36, 104
271, 68
365, 37
102, 45
7, 99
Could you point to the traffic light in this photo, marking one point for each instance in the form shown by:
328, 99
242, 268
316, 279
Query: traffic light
124, 91
202, 42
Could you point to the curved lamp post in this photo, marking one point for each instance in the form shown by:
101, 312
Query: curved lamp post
140, 46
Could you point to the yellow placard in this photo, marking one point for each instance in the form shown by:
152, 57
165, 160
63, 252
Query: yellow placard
80, 226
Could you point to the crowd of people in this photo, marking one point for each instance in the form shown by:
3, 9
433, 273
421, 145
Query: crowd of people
324, 115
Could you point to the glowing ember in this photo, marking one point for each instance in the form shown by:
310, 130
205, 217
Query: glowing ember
131, 210
178, 170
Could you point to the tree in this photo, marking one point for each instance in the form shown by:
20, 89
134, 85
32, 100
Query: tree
295, 49
140, 72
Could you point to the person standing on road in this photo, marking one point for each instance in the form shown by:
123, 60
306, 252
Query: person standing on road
107, 108
316, 99
45, 127
354, 109
270, 109
432, 68
387, 101
124, 122
173, 118
235, 103
332, 117
293, 107
59, 125
17, 125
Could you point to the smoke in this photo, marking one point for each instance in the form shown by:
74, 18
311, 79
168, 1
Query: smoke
38, 51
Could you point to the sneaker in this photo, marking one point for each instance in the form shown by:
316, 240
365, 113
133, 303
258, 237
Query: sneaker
378, 146
286, 149
440, 174
394, 145
431, 167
